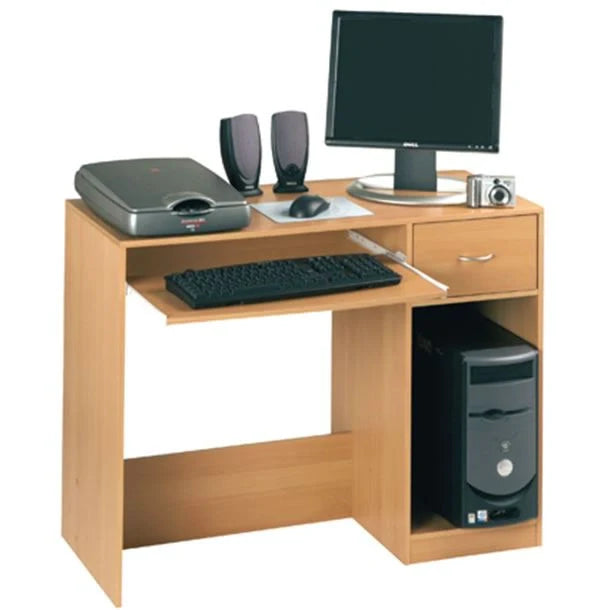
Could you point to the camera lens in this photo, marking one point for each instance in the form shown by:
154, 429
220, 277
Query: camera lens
499, 195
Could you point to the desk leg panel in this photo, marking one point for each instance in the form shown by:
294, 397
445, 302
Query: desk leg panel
94, 319
213, 492
373, 366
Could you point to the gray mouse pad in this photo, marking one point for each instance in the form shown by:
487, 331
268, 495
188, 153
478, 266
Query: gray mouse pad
340, 207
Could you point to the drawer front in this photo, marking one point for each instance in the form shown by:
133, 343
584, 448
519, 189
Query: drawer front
479, 256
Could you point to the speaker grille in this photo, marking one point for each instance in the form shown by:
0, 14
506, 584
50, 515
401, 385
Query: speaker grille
290, 138
246, 145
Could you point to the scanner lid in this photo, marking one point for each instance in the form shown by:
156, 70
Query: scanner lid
158, 185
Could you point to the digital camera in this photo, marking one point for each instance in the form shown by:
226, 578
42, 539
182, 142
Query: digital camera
490, 191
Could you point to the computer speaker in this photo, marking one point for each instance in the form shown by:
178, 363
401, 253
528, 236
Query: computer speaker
240, 147
290, 148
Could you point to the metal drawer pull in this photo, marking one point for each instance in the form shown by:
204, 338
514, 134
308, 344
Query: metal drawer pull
476, 259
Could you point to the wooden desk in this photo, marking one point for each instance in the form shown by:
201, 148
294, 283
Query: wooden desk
363, 468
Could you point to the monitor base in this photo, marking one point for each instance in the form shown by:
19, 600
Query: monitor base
380, 189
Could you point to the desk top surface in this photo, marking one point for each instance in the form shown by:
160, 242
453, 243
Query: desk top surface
261, 226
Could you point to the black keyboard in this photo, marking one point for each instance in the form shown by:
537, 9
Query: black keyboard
279, 279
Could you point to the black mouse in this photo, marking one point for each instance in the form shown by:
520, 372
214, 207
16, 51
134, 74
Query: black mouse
308, 206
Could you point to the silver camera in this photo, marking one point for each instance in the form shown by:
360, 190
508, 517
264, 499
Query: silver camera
491, 191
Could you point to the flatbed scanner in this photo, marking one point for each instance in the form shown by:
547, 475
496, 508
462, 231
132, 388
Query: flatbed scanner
146, 197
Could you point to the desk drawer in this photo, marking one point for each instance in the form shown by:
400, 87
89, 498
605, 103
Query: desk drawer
477, 256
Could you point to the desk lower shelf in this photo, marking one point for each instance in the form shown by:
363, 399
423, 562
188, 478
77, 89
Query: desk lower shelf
412, 289
435, 538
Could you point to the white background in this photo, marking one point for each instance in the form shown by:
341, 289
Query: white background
90, 81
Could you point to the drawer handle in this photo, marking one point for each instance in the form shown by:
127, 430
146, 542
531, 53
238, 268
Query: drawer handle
476, 259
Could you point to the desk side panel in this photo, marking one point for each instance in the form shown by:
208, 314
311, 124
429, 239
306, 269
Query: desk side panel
375, 403
94, 310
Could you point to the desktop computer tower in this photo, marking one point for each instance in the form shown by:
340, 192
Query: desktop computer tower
475, 420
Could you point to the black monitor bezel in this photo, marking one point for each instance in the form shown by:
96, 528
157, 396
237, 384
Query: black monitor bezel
332, 79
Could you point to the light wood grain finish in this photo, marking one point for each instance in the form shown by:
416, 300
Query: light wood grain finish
540, 344
92, 517
512, 241
161, 260
237, 489
364, 469
393, 238
520, 316
378, 395
341, 369
480, 298
411, 289
427, 522
445, 543
261, 226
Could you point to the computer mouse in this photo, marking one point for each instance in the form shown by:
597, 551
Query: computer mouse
308, 206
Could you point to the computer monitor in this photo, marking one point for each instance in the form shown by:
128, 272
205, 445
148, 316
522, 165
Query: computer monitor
417, 83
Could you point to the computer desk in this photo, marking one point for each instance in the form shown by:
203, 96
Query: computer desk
362, 468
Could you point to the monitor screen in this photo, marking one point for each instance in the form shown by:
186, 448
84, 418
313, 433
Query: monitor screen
414, 80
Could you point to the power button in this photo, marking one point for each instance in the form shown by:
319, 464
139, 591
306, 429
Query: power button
504, 467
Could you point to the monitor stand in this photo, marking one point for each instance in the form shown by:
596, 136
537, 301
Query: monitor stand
414, 182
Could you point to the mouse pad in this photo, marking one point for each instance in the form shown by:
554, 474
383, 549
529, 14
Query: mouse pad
340, 207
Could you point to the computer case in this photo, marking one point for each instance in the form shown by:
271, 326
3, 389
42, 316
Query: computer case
475, 419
